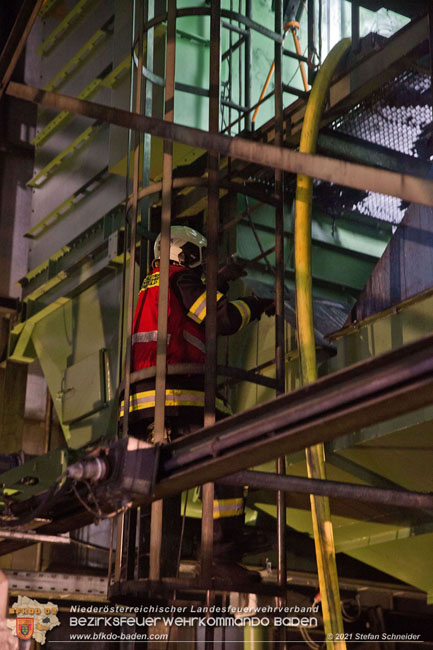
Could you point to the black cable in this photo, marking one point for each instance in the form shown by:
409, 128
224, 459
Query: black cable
96, 515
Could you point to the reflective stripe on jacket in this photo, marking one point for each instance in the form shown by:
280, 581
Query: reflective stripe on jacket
173, 397
185, 338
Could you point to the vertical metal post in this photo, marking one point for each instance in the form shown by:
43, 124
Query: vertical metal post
430, 17
149, 13
48, 427
131, 516
355, 25
248, 64
342, 18
119, 547
328, 24
311, 8
164, 264
255, 637
133, 228
211, 280
279, 286
128, 279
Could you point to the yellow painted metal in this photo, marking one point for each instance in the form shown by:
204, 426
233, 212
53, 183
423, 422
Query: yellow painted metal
78, 59
63, 117
46, 7
255, 637
66, 206
41, 177
58, 33
110, 81
322, 525
21, 346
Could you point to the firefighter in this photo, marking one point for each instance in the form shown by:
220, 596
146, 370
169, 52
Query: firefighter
184, 397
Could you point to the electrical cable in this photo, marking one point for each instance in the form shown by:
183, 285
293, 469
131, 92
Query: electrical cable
306, 636
96, 515
308, 640
347, 617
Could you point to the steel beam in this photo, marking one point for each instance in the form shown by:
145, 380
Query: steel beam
352, 148
364, 394
34, 537
280, 370
17, 39
369, 392
335, 489
208, 493
409, 188
155, 559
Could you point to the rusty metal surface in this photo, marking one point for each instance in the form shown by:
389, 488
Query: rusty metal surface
163, 297
207, 529
328, 169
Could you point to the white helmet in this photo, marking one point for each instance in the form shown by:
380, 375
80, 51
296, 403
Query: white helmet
187, 246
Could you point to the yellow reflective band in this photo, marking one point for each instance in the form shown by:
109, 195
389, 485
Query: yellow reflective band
244, 311
228, 508
150, 281
173, 397
197, 311
194, 341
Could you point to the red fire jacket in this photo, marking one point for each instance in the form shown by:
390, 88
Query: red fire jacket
185, 336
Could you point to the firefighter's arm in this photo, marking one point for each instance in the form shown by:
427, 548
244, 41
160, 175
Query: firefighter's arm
232, 315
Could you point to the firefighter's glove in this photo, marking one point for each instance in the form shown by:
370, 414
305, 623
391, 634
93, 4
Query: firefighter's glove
231, 271
266, 306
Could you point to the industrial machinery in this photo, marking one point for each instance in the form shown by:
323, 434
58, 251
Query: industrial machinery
297, 135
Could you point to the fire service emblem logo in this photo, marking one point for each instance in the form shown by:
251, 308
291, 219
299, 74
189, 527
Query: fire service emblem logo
25, 628
33, 619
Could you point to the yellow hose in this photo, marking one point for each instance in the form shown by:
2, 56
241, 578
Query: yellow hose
315, 456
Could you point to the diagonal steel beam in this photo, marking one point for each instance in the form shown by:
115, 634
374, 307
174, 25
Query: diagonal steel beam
367, 393
361, 177
17, 40
398, 496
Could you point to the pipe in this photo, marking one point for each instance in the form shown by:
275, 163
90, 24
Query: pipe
397, 496
322, 526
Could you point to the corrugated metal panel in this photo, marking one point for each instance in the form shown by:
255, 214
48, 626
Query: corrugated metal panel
405, 269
